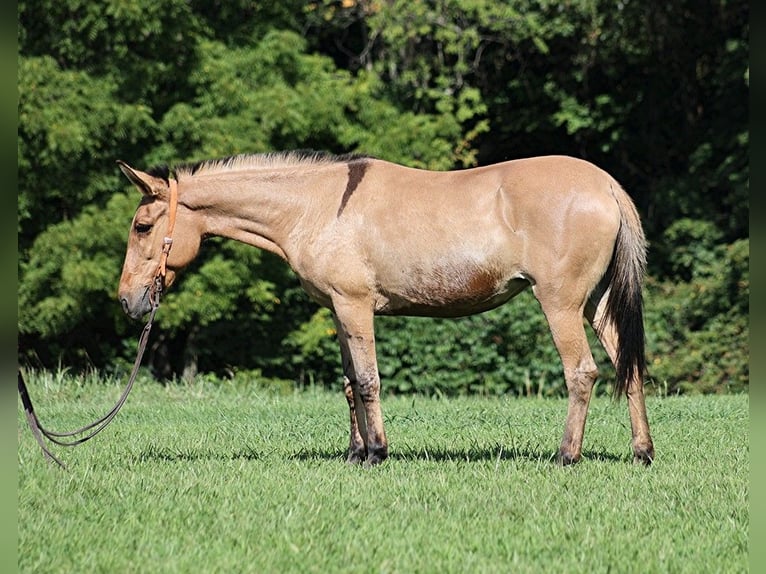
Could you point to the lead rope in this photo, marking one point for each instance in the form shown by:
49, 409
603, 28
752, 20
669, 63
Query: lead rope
38, 430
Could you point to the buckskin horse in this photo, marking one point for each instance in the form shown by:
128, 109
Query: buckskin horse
366, 237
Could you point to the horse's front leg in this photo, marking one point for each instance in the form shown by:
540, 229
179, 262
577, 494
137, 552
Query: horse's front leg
357, 449
354, 322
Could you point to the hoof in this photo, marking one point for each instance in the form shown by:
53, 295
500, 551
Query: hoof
356, 456
376, 457
566, 458
643, 456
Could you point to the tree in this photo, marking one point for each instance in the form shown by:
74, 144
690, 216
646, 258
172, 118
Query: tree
147, 48
71, 127
656, 93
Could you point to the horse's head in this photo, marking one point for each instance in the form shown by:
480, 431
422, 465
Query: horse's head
146, 239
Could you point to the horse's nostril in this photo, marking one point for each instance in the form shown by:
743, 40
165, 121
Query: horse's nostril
125, 305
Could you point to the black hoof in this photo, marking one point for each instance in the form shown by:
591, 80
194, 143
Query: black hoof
566, 458
376, 456
356, 456
643, 456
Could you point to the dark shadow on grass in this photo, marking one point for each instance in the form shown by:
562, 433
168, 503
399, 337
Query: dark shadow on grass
473, 454
465, 455
498, 453
476, 455
602, 456
168, 455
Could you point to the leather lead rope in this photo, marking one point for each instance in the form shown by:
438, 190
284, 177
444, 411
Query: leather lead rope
88, 431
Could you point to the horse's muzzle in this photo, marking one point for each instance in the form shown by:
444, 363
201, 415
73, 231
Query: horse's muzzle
136, 307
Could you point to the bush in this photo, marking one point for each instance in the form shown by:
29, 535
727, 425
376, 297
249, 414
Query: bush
697, 317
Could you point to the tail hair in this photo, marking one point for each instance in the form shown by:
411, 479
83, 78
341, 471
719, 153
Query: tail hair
624, 305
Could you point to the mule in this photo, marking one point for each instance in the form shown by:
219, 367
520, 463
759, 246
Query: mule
368, 237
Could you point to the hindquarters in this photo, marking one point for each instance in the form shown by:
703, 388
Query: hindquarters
589, 261
574, 241
588, 252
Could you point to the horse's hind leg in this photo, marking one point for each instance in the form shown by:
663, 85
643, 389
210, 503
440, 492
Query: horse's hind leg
643, 448
567, 328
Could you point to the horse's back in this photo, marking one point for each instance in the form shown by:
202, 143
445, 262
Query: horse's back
541, 179
544, 200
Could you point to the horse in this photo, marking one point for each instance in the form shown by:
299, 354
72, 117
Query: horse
368, 237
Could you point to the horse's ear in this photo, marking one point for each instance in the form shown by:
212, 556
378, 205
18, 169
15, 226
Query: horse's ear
147, 184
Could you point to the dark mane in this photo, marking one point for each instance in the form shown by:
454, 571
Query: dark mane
161, 171
263, 160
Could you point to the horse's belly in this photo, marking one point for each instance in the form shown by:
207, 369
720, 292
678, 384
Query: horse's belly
439, 296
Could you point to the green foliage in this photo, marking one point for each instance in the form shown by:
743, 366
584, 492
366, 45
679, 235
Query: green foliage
71, 130
241, 22
220, 285
146, 47
314, 351
68, 285
655, 92
276, 96
697, 318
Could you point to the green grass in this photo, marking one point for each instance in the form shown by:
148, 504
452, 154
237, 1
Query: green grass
212, 478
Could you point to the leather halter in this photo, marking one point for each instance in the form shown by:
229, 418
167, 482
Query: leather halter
73, 438
167, 243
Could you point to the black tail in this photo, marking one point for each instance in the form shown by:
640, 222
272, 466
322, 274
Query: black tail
624, 305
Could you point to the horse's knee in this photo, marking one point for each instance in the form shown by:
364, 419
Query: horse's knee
369, 388
588, 370
589, 376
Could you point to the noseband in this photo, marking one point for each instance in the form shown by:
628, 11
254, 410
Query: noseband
88, 431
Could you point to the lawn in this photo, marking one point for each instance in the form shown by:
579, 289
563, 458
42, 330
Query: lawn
221, 478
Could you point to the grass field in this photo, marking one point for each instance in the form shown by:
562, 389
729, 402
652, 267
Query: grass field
211, 478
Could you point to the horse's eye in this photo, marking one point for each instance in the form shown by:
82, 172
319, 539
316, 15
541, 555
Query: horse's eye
143, 228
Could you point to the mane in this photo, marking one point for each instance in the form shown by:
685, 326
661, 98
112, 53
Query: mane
258, 161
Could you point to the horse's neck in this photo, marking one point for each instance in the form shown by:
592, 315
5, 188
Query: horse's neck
258, 208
